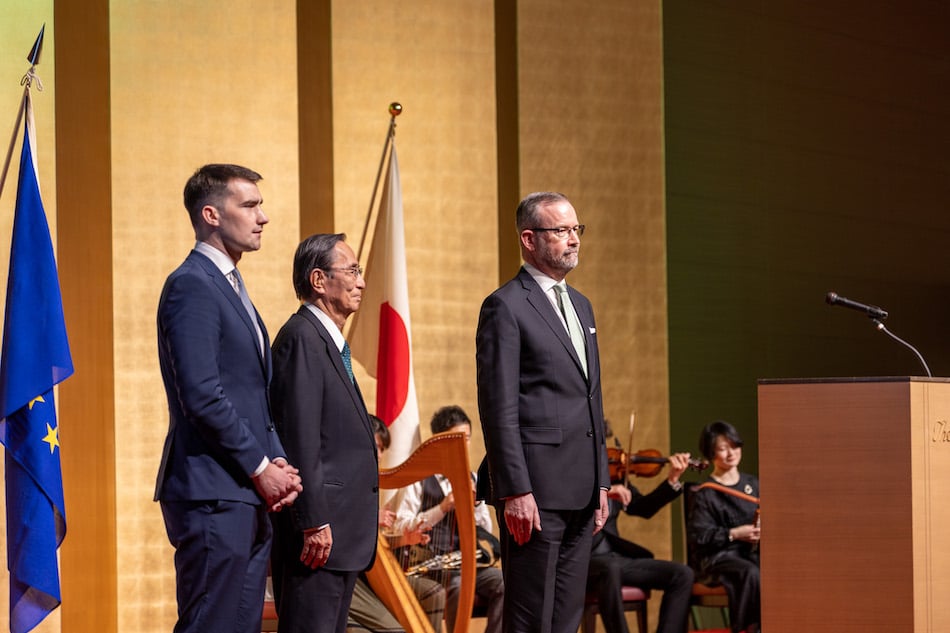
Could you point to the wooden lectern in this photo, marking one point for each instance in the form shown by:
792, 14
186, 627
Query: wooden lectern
855, 489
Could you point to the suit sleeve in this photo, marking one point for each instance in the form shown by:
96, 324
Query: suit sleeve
649, 504
192, 324
497, 356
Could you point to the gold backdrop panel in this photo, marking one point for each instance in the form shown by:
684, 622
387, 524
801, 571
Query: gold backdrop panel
437, 59
192, 84
590, 103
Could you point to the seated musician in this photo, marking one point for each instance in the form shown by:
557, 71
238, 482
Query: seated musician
615, 562
722, 530
367, 611
430, 503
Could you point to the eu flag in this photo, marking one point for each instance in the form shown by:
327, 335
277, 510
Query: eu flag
35, 357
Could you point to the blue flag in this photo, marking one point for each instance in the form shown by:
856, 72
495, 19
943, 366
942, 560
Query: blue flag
35, 357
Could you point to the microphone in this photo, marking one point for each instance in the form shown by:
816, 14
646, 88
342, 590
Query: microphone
877, 315
833, 298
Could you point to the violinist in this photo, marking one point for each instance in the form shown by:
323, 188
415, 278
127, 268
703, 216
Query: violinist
616, 562
722, 530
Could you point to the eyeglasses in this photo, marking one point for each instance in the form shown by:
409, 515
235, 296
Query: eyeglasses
356, 271
561, 232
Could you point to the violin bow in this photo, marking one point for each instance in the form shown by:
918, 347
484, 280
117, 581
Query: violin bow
626, 461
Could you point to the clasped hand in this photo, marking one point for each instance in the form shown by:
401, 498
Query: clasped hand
279, 484
748, 533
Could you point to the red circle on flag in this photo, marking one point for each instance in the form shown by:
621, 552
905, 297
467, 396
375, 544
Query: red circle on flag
392, 365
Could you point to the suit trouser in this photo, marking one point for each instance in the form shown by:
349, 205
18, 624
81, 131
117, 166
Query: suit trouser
315, 601
221, 553
610, 572
546, 578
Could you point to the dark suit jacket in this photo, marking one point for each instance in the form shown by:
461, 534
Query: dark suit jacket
640, 505
322, 420
215, 378
543, 421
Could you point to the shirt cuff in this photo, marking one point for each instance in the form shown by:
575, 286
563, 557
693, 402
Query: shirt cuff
260, 469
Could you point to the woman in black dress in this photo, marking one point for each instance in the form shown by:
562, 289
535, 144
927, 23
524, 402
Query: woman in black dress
723, 530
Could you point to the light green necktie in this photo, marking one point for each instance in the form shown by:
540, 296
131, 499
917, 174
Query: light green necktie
573, 323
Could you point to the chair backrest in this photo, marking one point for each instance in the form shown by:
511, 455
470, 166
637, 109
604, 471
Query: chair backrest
707, 592
688, 492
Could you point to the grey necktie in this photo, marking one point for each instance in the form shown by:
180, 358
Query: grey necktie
238, 283
573, 323
347, 362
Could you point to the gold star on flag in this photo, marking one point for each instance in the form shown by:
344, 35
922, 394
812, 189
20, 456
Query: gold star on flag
52, 437
35, 400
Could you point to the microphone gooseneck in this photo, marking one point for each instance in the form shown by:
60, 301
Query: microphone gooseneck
881, 327
877, 316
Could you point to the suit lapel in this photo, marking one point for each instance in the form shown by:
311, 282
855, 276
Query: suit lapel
227, 290
333, 354
540, 302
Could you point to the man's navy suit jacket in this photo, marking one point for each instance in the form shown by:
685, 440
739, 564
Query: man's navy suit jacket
215, 377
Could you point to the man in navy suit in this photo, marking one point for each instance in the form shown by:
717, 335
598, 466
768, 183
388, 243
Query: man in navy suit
223, 466
329, 535
539, 398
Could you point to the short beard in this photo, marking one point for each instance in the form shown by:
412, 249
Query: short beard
566, 263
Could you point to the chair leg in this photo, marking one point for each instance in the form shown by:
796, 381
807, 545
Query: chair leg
642, 617
588, 623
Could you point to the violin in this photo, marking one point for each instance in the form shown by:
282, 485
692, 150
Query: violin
647, 462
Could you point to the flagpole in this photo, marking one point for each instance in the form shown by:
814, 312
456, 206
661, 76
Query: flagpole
26, 82
16, 129
395, 109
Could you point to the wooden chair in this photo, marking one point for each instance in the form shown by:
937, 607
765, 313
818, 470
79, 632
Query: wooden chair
634, 599
709, 596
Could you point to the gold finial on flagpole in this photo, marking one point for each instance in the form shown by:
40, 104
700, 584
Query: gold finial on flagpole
395, 108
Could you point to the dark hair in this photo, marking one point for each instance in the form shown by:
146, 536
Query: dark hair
527, 215
711, 432
314, 252
380, 429
209, 185
448, 417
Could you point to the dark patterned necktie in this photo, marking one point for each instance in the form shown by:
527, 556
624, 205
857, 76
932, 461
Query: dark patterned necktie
345, 353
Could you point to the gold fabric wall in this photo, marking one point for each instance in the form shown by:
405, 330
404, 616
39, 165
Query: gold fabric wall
177, 85
591, 127
191, 84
